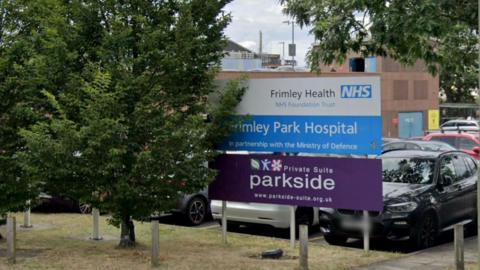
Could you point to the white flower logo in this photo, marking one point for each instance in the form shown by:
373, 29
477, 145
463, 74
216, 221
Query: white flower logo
276, 165
254, 164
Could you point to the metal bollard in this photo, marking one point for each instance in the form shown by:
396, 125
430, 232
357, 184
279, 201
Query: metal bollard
155, 243
26, 217
366, 231
224, 222
96, 225
303, 237
11, 239
292, 227
459, 247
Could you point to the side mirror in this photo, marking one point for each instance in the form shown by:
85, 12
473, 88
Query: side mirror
476, 149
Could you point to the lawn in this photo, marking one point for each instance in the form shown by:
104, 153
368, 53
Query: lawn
61, 241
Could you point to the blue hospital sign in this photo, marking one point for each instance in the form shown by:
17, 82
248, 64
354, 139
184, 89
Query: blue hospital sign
356, 91
334, 115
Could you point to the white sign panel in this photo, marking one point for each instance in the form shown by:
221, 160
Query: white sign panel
335, 115
312, 96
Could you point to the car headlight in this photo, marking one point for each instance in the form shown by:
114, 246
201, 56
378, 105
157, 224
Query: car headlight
402, 207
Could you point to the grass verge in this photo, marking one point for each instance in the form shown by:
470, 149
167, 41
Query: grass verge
61, 241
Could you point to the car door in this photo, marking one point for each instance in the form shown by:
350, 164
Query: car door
449, 198
471, 198
464, 184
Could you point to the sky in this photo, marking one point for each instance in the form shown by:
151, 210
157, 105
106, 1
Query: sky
251, 16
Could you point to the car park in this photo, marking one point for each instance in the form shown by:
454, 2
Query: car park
469, 143
424, 193
417, 145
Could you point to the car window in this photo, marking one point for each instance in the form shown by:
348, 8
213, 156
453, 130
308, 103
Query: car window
449, 140
445, 147
472, 165
461, 168
464, 143
393, 146
447, 171
407, 170
412, 146
451, 124
430, 148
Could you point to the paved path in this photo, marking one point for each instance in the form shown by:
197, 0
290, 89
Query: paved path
439, 257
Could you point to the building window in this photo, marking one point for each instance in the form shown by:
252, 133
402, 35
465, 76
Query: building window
357, 64
420, 89
400, 89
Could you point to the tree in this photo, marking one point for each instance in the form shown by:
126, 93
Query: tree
441, 33
130, 132
24, 39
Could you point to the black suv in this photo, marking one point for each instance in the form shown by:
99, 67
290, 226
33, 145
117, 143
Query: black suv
424, 194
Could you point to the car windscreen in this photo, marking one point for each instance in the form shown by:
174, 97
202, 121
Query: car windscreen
436, 146
408, 170
449, 140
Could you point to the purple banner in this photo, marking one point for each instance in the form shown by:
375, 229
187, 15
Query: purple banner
345, 183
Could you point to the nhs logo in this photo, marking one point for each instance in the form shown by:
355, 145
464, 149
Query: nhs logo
356, 91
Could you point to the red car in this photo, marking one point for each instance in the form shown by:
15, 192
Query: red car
469, 143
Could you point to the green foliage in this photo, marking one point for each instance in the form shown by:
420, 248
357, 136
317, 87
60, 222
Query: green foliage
126, 127
441, 33
27, 36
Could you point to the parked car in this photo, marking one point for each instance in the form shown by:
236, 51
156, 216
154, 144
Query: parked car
277, 216
463, 125
47, 203
194, 208
417, 145
424, 194
466, 142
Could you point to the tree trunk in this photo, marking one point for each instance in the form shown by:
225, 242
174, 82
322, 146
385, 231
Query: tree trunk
127, 233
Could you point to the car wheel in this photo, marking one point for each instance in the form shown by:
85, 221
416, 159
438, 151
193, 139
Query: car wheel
85, 208
425, 234
196, 211
334, 239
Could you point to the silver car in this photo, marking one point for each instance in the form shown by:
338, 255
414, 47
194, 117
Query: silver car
461, 125
274, 215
